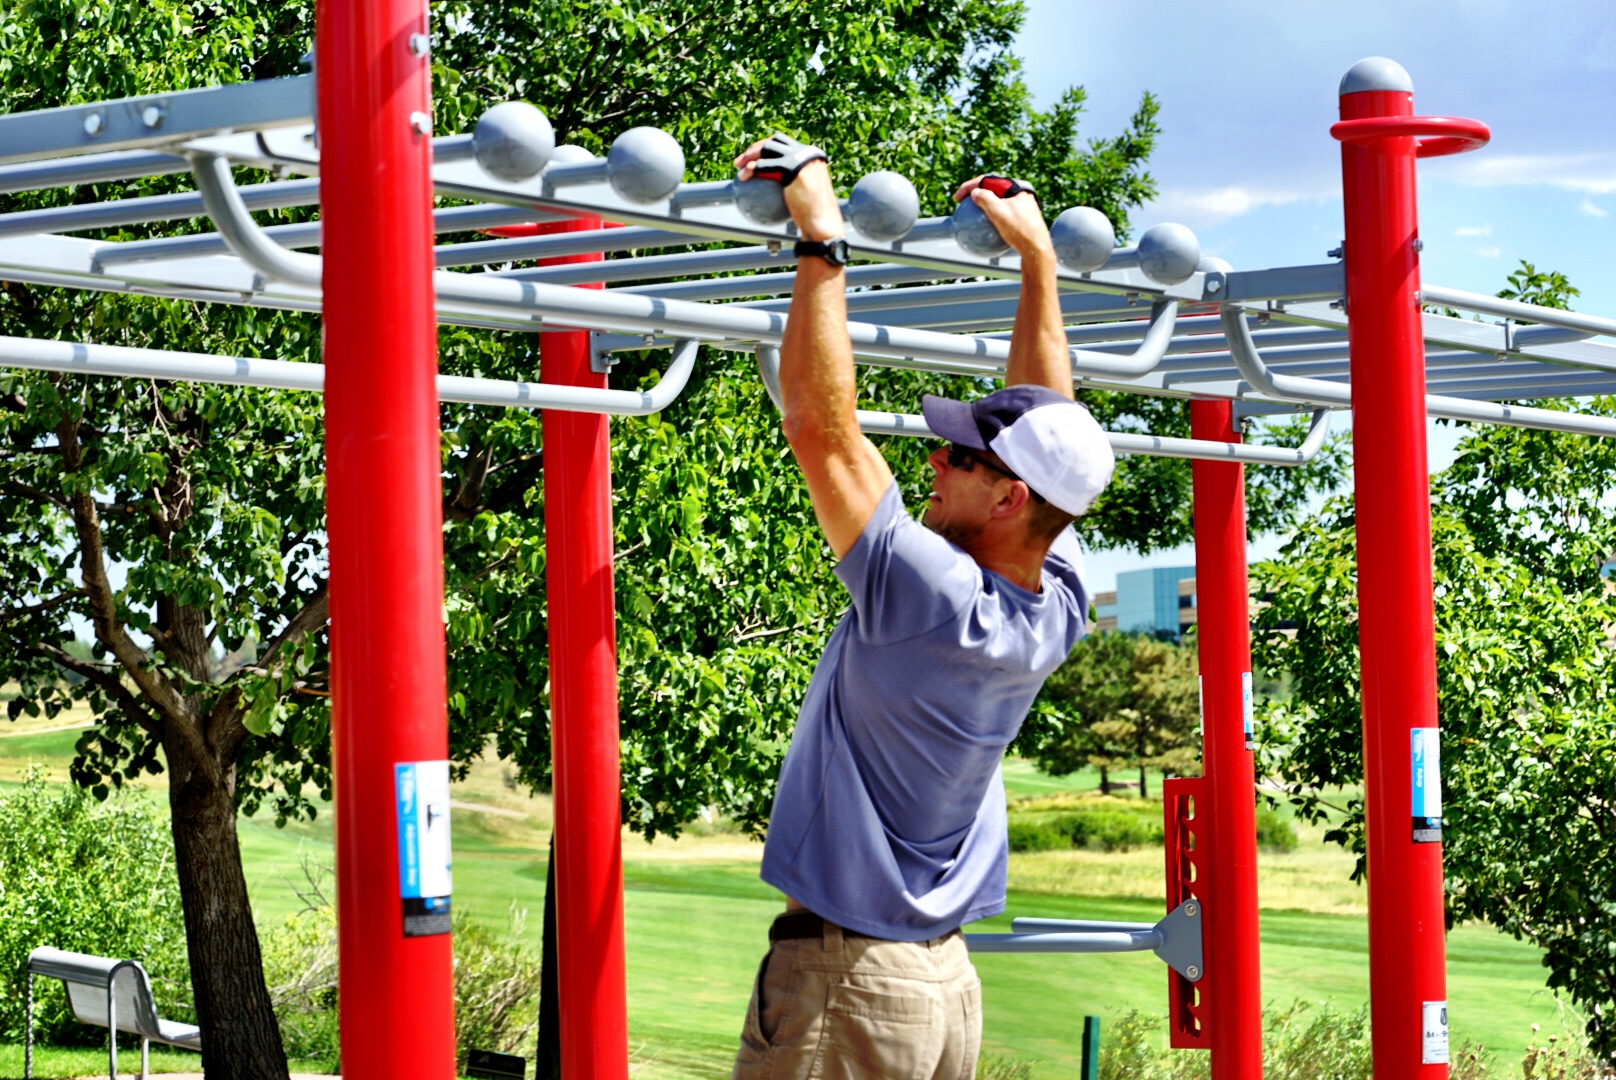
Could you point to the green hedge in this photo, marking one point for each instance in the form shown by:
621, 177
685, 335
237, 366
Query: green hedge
91, 877
1096, 829
1112, 828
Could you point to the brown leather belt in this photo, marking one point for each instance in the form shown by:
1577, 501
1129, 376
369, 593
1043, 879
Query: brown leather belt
795, 925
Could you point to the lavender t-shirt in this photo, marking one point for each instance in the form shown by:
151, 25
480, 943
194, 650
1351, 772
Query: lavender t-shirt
889, 818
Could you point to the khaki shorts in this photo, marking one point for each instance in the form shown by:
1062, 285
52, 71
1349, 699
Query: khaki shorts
853, 1008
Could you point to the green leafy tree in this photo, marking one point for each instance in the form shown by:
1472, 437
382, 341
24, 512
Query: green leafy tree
1120, 701
1521, 526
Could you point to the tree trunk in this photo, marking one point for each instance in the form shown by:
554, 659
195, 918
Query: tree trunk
1144, 788
547, 1060
240, 1039
1105, 780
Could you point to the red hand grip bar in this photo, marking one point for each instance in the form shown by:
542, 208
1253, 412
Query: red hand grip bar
1450, 134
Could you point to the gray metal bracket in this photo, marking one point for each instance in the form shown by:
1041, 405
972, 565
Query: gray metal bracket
1180, 947
601, 358
1176, 939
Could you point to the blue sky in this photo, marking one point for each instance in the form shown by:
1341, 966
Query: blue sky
1248, 93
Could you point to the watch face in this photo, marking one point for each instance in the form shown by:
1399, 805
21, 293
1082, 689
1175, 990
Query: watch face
837, 250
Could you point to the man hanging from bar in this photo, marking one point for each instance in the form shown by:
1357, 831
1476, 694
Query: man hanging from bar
888, 830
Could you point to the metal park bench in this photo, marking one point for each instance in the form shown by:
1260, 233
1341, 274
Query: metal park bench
114, 994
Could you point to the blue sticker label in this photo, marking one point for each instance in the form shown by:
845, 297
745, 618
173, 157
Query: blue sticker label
1248, 705
1426, 784
424, 882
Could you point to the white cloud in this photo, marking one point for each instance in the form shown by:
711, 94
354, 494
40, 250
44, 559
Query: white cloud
1202, 208
1474, 230
1587, 207
1489, 252
1588, 174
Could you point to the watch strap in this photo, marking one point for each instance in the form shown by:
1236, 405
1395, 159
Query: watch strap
832, 251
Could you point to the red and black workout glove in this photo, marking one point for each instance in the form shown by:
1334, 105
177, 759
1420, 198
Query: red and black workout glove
784, 157
1004, 187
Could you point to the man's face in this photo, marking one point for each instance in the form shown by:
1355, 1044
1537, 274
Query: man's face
962, 496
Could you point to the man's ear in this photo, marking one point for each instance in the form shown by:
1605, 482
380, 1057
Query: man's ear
1013, 497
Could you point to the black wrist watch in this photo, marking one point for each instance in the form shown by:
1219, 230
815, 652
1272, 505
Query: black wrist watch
832, 251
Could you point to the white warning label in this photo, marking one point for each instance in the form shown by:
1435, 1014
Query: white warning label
1434, 1033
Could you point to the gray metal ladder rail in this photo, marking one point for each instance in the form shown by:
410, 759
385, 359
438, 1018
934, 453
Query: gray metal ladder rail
230, 216
1316, 391
875, 422
125, 362
1176, 939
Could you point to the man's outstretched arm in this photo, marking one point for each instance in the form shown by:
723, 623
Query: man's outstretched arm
1039, 353
846, 474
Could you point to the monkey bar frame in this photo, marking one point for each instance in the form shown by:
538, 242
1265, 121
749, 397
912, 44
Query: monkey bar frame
1234, 342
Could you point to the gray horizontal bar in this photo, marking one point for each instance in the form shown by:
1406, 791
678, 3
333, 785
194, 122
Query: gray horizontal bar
779, 284
687, 264
1061, 926
126, 124
91, 169
583, 242
1139, 941
1321, 281
307, 235
185, 204
1514, 309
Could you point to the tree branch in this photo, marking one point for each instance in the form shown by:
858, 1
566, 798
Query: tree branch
225, 727
28, 491
109, 630
45, 605
105, 679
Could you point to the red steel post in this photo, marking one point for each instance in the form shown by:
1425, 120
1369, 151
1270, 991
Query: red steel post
1407, 976
1233, 984
383, 513
592, 980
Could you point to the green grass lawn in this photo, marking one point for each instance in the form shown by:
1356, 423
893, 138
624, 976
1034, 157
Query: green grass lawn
697, 920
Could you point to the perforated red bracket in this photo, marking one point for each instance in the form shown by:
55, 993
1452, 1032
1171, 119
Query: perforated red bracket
1186, 880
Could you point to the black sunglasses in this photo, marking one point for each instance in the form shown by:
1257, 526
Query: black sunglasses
966, 459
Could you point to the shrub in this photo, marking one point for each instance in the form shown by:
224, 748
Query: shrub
496, 983
1037, 834
300, 968
1274, 833
998, 1067
92, 877
1303, 1042
1111, 830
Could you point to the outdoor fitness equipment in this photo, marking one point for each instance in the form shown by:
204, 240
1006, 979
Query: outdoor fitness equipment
932, 294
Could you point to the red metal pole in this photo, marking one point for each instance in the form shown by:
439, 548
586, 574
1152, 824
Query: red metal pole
1232, 988
1407, 976
383, 512
592, 980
